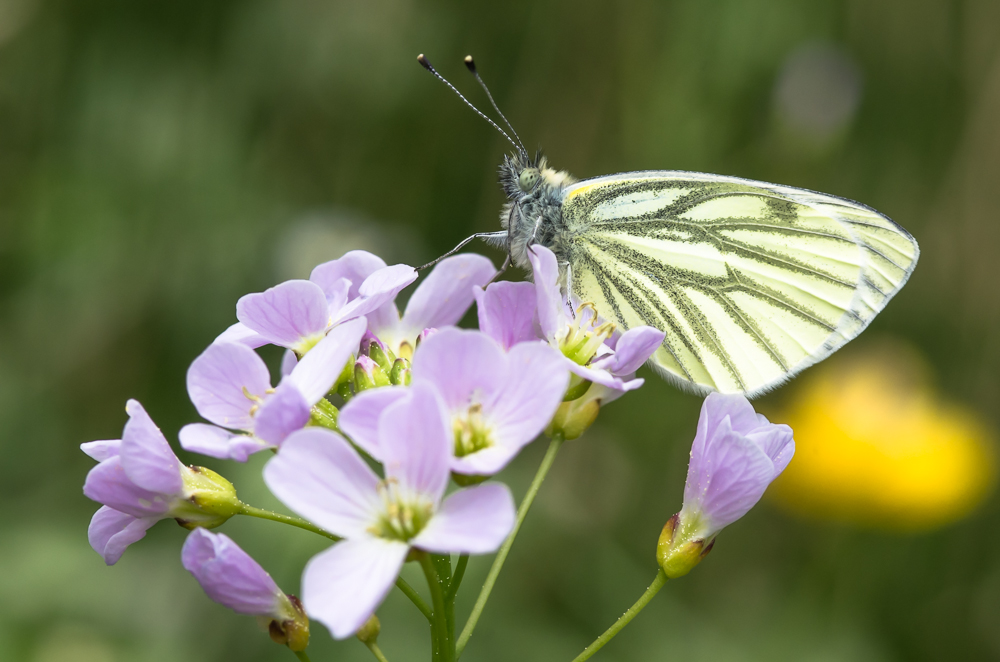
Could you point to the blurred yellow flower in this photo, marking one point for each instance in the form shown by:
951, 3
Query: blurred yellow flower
876, 445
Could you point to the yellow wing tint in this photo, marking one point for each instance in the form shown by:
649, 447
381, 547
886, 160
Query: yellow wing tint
752, 282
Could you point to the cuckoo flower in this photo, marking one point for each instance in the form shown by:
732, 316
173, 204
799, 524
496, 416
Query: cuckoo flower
140, 481
735, 455
297, 313
439, 301
507, 312
319, 476
232, 578
589, 343
230, 386
496, 402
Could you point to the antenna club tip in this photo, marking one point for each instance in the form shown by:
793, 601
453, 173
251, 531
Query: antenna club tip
470, 64
423, 61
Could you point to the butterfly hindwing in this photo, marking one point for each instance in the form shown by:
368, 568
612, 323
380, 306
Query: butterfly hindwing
752, 282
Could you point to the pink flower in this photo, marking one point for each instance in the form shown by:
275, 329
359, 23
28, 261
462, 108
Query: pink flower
230, 386
495, 402
318, 475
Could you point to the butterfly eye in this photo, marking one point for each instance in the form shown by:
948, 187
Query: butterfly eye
527, 180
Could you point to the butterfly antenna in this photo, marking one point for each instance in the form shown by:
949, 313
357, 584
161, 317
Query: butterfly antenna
471, 66
427, 65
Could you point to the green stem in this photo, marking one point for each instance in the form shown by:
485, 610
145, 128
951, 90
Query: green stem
407, 590
456, 579
376, 651
302, 656
522, 512
286, 519
444, 646
415, 598
626, 618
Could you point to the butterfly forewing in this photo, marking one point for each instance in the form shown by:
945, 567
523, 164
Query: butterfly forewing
752, 282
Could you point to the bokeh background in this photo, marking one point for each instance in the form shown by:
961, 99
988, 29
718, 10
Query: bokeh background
160, 159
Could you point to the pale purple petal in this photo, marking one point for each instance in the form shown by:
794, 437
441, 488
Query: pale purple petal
103, 449
465, 366
485, 462
533, 387
230, 576
447, 292
111, 532
318, 475
337, 296
632, 350
551, 306
378, 290
597, 376
355, 266
416, 441
471, 521
288, 362
146, 455
242, 334
108, 484
507, 312
216, 442
281, 414
359, 417
726, 482
717, 406
287, 313
318, 370
343, 586
777, 443
216, 381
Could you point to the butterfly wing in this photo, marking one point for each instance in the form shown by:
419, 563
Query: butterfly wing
752, 282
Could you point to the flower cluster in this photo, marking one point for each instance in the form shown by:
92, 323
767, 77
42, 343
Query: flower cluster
387, 430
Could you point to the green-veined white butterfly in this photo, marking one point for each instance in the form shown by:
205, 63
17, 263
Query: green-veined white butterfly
751, 282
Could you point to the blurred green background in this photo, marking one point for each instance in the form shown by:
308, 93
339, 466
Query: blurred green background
160, 159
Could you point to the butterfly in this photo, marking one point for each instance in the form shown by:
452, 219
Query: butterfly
751, 282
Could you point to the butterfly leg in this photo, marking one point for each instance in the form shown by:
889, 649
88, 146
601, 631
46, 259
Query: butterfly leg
534, 232
503, 268
479, 235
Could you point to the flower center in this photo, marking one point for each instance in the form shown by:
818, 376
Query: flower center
471, 432
584, 335
401, 519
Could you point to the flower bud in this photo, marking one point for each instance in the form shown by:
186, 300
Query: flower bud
208, 499
679, 550
292, 632
578, 387
368, 374
368, 634
400, 375
574, 417
325, 415
378, 352
346, 376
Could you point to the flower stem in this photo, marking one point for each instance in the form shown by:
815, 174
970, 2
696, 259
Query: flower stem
286, 519
456, 579
522, 512
302, 656
407, 590
415, 598
626, 618
376, 651
443, 644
